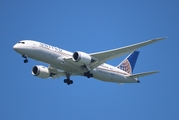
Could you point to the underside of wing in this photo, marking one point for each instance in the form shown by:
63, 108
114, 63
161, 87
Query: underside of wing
102, 57
55, 73
90, 61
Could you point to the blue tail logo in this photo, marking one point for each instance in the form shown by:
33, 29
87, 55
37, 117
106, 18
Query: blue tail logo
129, 62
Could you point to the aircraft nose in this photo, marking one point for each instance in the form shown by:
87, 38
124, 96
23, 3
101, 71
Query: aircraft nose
15, 47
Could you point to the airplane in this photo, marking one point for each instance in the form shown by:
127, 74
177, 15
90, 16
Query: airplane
65, 63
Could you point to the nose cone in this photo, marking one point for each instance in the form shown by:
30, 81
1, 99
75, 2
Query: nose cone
20, 48
15, 47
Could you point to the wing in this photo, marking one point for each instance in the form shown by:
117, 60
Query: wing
56, 73
102, 57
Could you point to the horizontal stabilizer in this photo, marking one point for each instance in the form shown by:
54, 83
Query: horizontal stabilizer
142, 74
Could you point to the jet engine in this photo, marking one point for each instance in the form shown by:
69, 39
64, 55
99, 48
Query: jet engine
82, 57
40, 71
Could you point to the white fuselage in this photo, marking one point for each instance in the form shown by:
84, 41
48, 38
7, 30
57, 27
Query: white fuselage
55, 57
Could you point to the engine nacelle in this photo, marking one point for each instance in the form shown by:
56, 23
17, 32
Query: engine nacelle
82, 57
40, 71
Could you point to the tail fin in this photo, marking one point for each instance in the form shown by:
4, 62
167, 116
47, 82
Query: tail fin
128, 63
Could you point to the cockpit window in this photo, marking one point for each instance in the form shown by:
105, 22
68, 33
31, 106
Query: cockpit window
21, 42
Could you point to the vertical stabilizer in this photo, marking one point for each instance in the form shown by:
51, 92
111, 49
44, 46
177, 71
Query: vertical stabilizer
129, 62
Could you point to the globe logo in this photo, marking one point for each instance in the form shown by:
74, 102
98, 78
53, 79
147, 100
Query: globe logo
125, 66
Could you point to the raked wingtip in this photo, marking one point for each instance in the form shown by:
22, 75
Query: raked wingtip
162, 38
